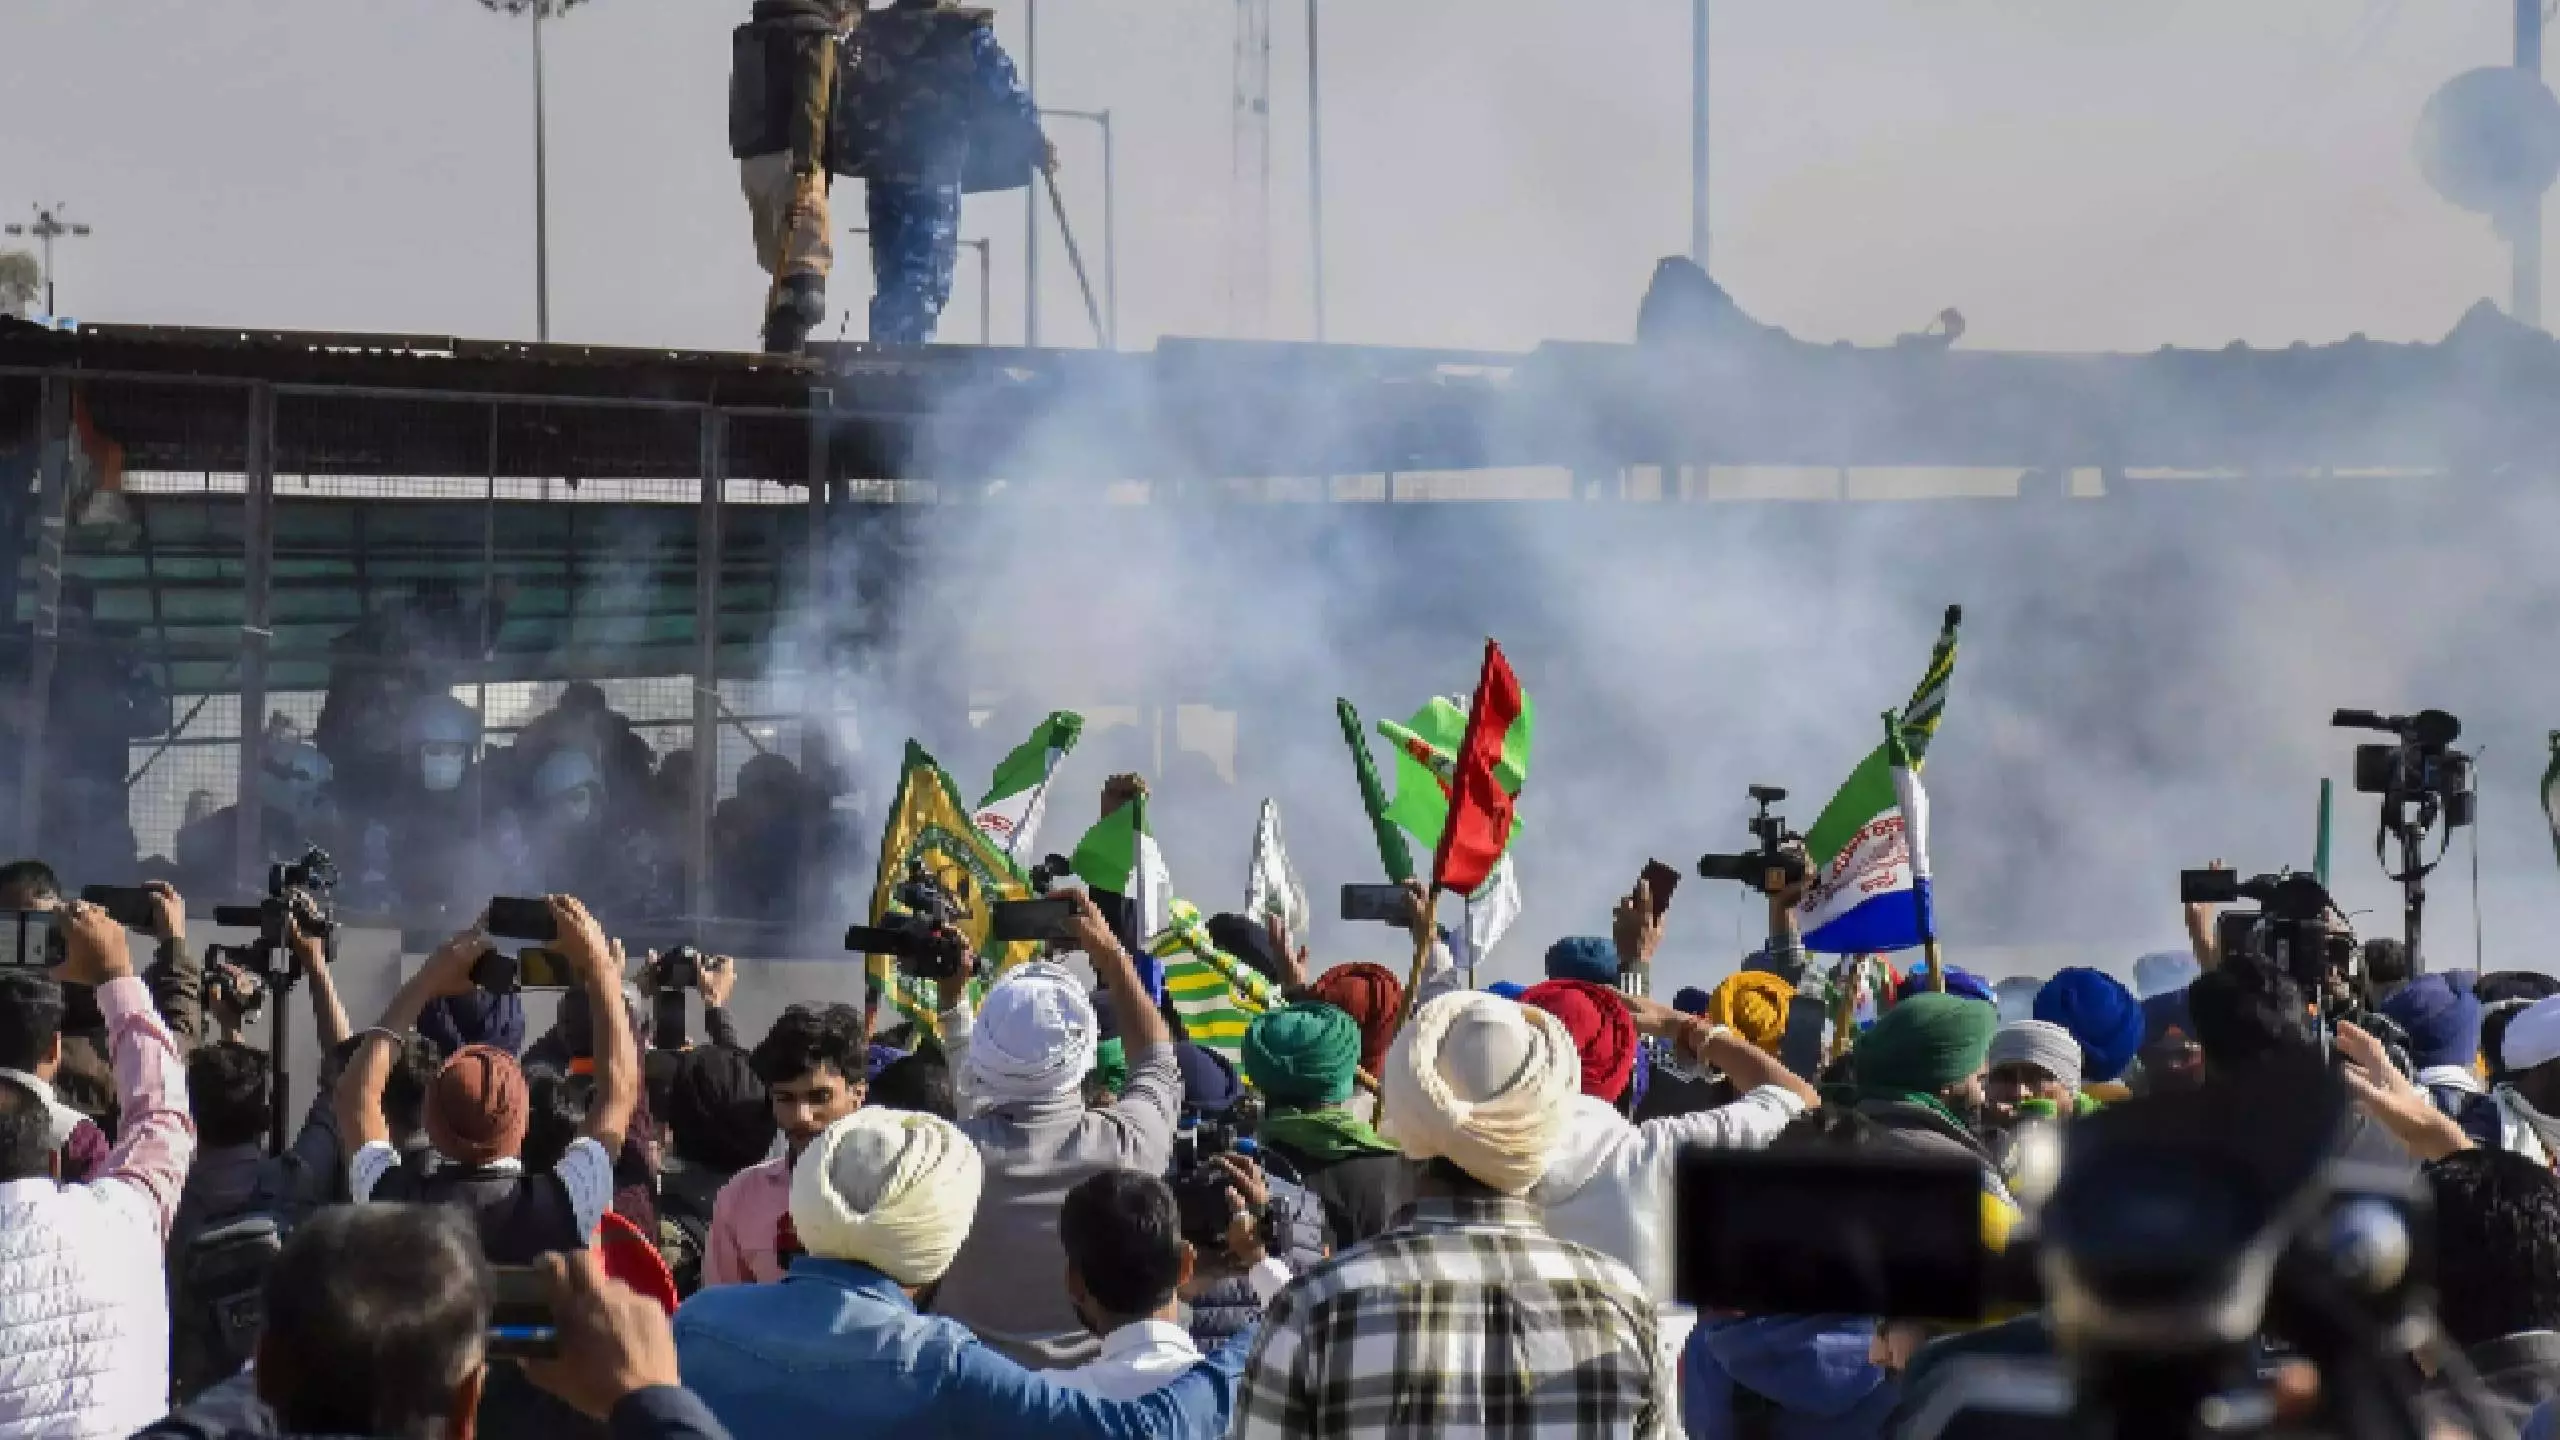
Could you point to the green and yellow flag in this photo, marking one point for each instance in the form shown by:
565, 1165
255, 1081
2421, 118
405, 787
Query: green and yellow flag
929, 823
1216, 994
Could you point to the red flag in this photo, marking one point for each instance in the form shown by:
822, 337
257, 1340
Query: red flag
1480, 805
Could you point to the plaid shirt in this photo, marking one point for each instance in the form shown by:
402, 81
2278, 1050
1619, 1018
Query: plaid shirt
1466, 1320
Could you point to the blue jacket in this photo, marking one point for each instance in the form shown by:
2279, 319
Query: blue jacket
1812, 1367
837, 1348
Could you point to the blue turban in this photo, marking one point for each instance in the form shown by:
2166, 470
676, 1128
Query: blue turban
880, 1058
1209, 1083
1507, 989
2100, 1013
2442, 1020
1583, 957
1690, 1001
1960, 982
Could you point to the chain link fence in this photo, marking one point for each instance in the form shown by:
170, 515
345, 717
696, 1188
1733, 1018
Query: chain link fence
468, 644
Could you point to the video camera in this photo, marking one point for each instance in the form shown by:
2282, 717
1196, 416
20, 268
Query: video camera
1201, 1185
2296, 928
920, 930
2423, 766
2422, 779
2186, 1230
301, 898
1752, 867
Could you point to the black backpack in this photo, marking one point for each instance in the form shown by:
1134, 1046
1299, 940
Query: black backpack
217, 1296
686, 1194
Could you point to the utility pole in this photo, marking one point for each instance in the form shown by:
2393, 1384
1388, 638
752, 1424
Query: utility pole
1249, 175
1698, 131
1315, 165
2524, 228
539, 10
48, 227
1031, 196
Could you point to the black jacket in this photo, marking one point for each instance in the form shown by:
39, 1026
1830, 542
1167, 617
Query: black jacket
233, 1411
1360, 1196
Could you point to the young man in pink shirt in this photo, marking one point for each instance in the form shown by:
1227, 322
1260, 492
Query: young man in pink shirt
812, 1066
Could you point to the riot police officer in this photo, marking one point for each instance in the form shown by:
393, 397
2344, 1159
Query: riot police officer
782, 70
929, 107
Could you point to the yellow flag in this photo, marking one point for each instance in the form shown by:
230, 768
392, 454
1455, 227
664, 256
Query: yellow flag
928, 823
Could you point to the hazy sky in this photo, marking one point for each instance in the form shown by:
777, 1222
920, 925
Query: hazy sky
2072, 174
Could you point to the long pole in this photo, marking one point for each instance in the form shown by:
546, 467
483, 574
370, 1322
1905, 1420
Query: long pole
2524, 237
1110, 220
541, 197
1698, 132
1031, 197
1315, 164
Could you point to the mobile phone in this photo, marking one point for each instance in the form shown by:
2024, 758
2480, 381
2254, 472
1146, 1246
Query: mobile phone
502, 974
1799, 1231
521, 1325
1659, 881
130, 906
30, 939
1043, 920
514, 919
1384, 904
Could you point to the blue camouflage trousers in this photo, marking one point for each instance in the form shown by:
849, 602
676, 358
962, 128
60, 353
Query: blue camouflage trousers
915, 246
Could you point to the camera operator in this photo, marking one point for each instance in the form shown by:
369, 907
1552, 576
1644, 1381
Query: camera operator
1129, 1264
377, 1324
81, 1077
663, 981
1020, 1061
80, 1265
240, 1202
476, 1111
1219, 1119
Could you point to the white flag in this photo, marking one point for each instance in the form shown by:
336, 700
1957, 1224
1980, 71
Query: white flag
1272, 889
1491, 911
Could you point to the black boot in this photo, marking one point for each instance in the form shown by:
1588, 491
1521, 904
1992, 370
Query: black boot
799, 305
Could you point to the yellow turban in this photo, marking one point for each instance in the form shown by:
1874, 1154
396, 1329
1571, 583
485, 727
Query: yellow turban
1753, 1004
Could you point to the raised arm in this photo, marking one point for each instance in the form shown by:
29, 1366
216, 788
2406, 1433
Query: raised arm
176, 976
446, 972
156, 1138
328, 1016
591, 958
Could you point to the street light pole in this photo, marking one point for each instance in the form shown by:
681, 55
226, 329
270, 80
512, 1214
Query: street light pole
1031, 196
541, 196
1698, 132
2524, 229
1315, 166
48, 227
1110, 223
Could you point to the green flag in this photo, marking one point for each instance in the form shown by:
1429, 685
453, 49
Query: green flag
1019, 794
1119, 855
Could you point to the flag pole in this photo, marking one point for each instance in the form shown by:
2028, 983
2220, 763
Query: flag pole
2320, 843
1423, 935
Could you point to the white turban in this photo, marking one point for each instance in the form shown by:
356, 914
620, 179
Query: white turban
1483, 1082
891, 1189
1033, 1037
2533, 1037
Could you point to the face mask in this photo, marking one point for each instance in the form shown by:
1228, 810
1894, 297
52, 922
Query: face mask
440, 768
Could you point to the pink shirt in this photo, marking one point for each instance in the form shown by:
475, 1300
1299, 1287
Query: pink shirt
745, 1219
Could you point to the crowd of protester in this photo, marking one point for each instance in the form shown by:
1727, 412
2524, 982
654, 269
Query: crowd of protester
1042, 1209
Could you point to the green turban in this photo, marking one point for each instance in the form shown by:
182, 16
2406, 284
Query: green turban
1111, 1065
1304, 1055
1925, 1044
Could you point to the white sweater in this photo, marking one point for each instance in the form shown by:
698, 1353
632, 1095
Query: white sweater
1609, 1183
84, 1313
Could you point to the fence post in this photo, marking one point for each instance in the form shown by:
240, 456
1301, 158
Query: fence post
257, 544
707, 538
52, 520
